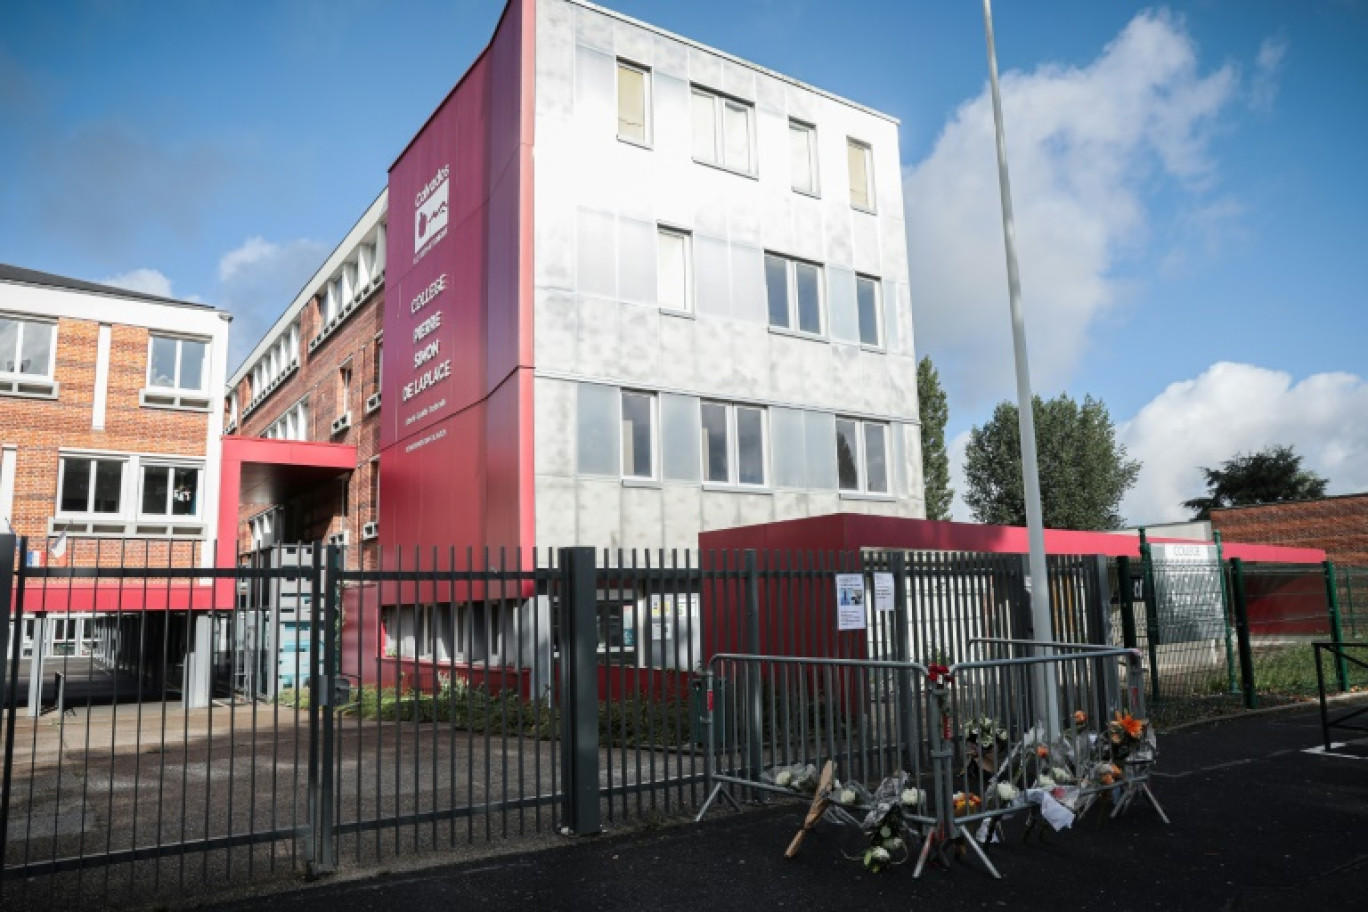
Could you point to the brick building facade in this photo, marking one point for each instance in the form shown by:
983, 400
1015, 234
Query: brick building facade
1339, 525
315, 377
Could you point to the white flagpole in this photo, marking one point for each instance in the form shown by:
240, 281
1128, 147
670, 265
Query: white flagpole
1030, 471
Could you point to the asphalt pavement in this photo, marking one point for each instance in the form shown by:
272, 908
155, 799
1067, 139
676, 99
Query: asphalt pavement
1258, 823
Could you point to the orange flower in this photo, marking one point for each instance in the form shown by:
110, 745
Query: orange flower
1105, 778
1042, 750
1116, 771
1133, 727
966, 803
1080, 717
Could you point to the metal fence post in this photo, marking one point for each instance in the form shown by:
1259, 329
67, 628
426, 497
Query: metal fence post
1225, 614
1341, 668
326, 837
313, 851
754, 693
579, 689
902, 652
1242, 632
1125, 600
1151, 615
12, 603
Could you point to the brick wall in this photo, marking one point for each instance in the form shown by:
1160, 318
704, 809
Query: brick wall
42, 427
321, 512
1337, 524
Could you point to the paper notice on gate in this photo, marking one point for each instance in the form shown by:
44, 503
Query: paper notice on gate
850, 601
883, 592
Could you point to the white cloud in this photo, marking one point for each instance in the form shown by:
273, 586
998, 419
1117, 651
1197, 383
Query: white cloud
1263, 87
257, 282
1242, 408
148, 281
1086, 146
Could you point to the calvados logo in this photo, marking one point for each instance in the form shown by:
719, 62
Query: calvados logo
431, 208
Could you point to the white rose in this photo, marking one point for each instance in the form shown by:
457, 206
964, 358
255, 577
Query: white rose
847, 796
1044, 782
911, 797
893, 844
880, 855
1006, 791
1060, 774
784, 779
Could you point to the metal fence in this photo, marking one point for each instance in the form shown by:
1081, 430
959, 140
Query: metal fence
169, 726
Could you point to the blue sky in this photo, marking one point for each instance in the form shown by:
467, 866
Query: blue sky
1188, 180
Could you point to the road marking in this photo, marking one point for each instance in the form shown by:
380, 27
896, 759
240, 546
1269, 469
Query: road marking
1322, 752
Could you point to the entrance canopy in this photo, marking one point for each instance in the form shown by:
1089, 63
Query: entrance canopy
265, 472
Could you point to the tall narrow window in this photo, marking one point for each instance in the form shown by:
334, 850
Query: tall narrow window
861, 175
723, 131
633, 103
862, 456
344, 383
674, 272
867, 299
803, 156
637, 434
794, 291
170, 490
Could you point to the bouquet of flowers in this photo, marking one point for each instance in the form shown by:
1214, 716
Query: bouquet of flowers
798, 777
883, 825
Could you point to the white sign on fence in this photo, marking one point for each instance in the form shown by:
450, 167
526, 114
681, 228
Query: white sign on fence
850, 601
883, 591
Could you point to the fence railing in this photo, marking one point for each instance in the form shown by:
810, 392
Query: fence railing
290, 713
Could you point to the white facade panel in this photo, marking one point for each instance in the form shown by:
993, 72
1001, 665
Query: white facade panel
599, 204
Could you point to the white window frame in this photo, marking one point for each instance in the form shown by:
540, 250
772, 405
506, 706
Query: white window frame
123, 462
877, 287
791, 291
720, 104
653, 421
293, 423
814, 174
861, 457
647, 113
663, 231
179, 340
733, 445
26, 325
852, 145
171, 466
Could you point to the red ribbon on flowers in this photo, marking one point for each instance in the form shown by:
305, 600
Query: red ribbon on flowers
937, 673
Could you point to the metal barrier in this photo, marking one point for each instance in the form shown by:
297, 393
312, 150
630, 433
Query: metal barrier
1047, 734
1341, 652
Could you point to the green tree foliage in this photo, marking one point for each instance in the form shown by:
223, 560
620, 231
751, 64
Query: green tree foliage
934, 411
1271, 475
1084, 472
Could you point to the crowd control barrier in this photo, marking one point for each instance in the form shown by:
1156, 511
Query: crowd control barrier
1049, 730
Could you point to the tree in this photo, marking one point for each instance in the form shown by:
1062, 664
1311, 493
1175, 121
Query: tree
1084, 472
934, 411
1271, 475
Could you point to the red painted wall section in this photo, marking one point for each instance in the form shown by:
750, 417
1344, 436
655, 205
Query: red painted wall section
456, 441
852, 531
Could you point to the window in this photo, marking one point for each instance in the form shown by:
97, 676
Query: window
90, 485
344, 382
723, 131
867, 299
733, 444
633, 104
794, 291
175, 363
293, 425
170, 490
26, 347
803, 156
674, 270
861, 175
637, 419
862, 456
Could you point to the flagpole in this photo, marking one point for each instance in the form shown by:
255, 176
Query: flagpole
1030, 471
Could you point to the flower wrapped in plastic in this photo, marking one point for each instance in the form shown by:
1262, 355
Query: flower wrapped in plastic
797, 777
